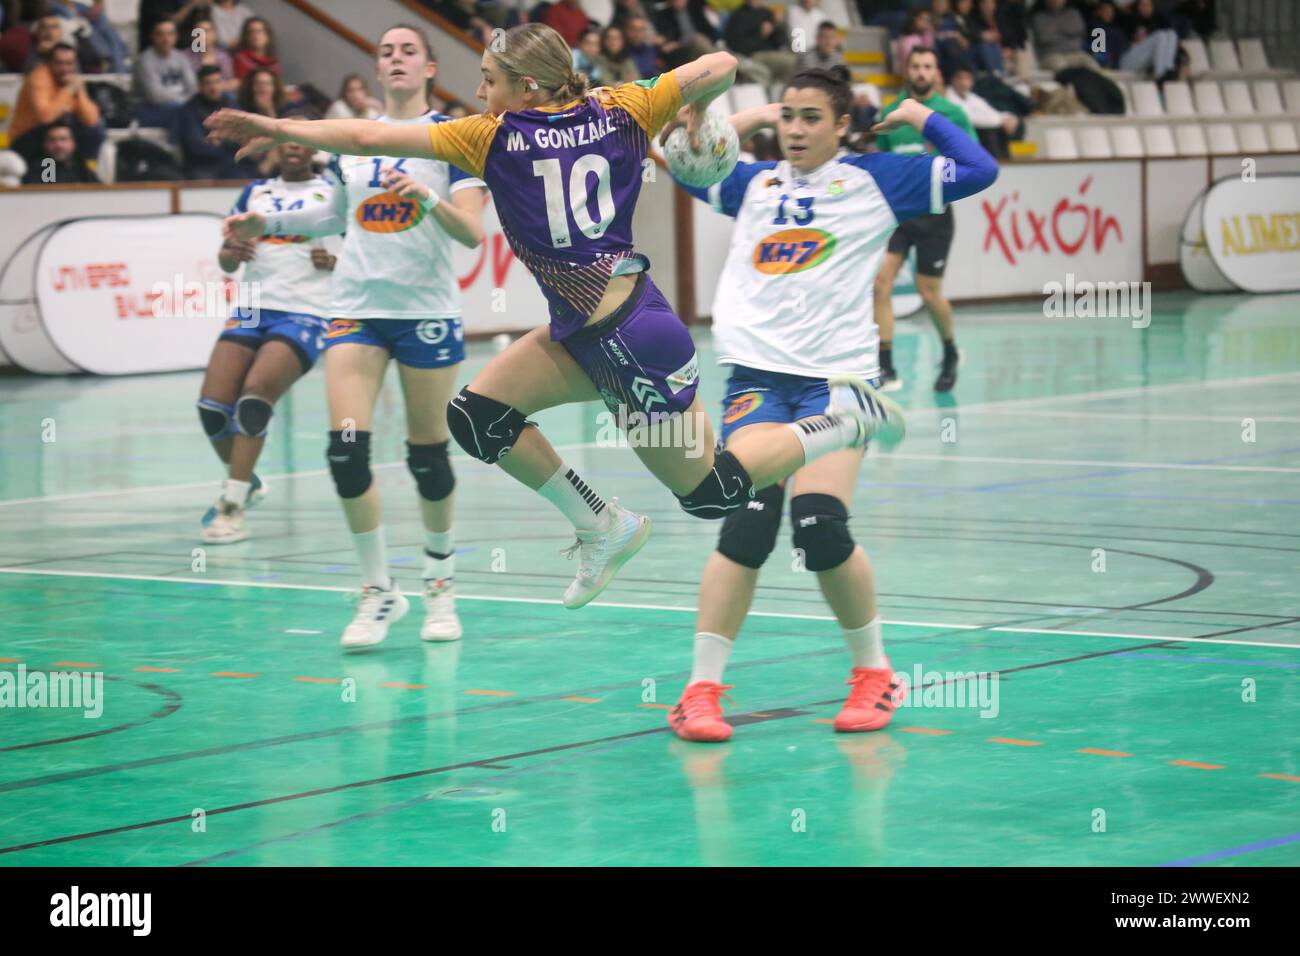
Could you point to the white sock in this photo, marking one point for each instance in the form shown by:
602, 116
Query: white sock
439, 551
711, 653
372, 549
236, 492
866, 646
823, 434
584, 508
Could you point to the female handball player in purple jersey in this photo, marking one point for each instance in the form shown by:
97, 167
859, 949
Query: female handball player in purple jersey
564, 164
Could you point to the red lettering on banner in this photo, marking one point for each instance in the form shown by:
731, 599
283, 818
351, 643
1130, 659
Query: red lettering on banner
91, 276
1071, 223
502, 257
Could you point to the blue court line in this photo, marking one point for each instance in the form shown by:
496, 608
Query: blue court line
1206, 660
1235, 851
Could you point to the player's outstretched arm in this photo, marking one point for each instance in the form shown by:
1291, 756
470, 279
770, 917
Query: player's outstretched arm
350, 137
700, 83
972, 169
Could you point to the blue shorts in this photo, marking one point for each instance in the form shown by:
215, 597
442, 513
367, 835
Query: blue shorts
305, 334
419, 343
753, 395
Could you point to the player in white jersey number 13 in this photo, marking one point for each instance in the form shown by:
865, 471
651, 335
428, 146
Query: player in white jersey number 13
793, 320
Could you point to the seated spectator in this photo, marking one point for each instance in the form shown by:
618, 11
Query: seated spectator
108, 46
1011, 20
163, 80
625, 10
151, 11
229, 16
355, 101
949, 41
614, 62
991, 126
757, 36
640, 46
826, 51
57, 160
1153, 44
1109, 45
1060, 37
918, 30
203, 35
584, 57
568, 19
685, 33
982, 44
805, 19
890, 14
15, 36
256, 49
204, 159
261, 91
48, 31
52, 91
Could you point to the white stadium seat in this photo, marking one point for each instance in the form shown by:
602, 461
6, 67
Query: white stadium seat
1208, 98
1158, 141
1127, 142
1282, 137
1146, 99
1267, 98
1223, 56
870, 91
1060, 143
601, 11
1252, 138
1236, 98
1094, 143
1253, 57
1198, 61
1222, 139
1291, 95
1190, 139
1178, 99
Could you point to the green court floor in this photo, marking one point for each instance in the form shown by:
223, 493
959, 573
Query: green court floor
1101, 523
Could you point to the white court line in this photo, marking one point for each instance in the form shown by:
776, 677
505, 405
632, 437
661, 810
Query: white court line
640, 607
1136, 416
912, 414
1099, 464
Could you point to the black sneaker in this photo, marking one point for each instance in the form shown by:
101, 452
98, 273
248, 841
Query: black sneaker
889, 380
948, 371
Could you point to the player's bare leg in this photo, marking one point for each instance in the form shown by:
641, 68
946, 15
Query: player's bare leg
931, 290
354, 374
883, 292
531, 375
274, 369
426, 392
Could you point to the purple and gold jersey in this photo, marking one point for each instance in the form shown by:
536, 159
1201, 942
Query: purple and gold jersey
565, 180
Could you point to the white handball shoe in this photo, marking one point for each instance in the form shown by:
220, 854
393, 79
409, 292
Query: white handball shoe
258, 489
227, 527
880, 417
602, 553
440, 620
376, 610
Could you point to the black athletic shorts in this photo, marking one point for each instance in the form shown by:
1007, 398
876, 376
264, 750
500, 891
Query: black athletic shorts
932, 236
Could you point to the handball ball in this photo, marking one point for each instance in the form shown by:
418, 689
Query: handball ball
719, 147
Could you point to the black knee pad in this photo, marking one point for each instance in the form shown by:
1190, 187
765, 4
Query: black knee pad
726, 488
821, 531
350, 463
485, 428
749, 533
252, 415
432, 470
215, 417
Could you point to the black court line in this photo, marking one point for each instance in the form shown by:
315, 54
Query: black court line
174, 701
503, 758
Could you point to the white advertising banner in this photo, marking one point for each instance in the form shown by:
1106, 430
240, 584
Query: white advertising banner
1252, 230
121, 295
1194, 255
1040, 223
